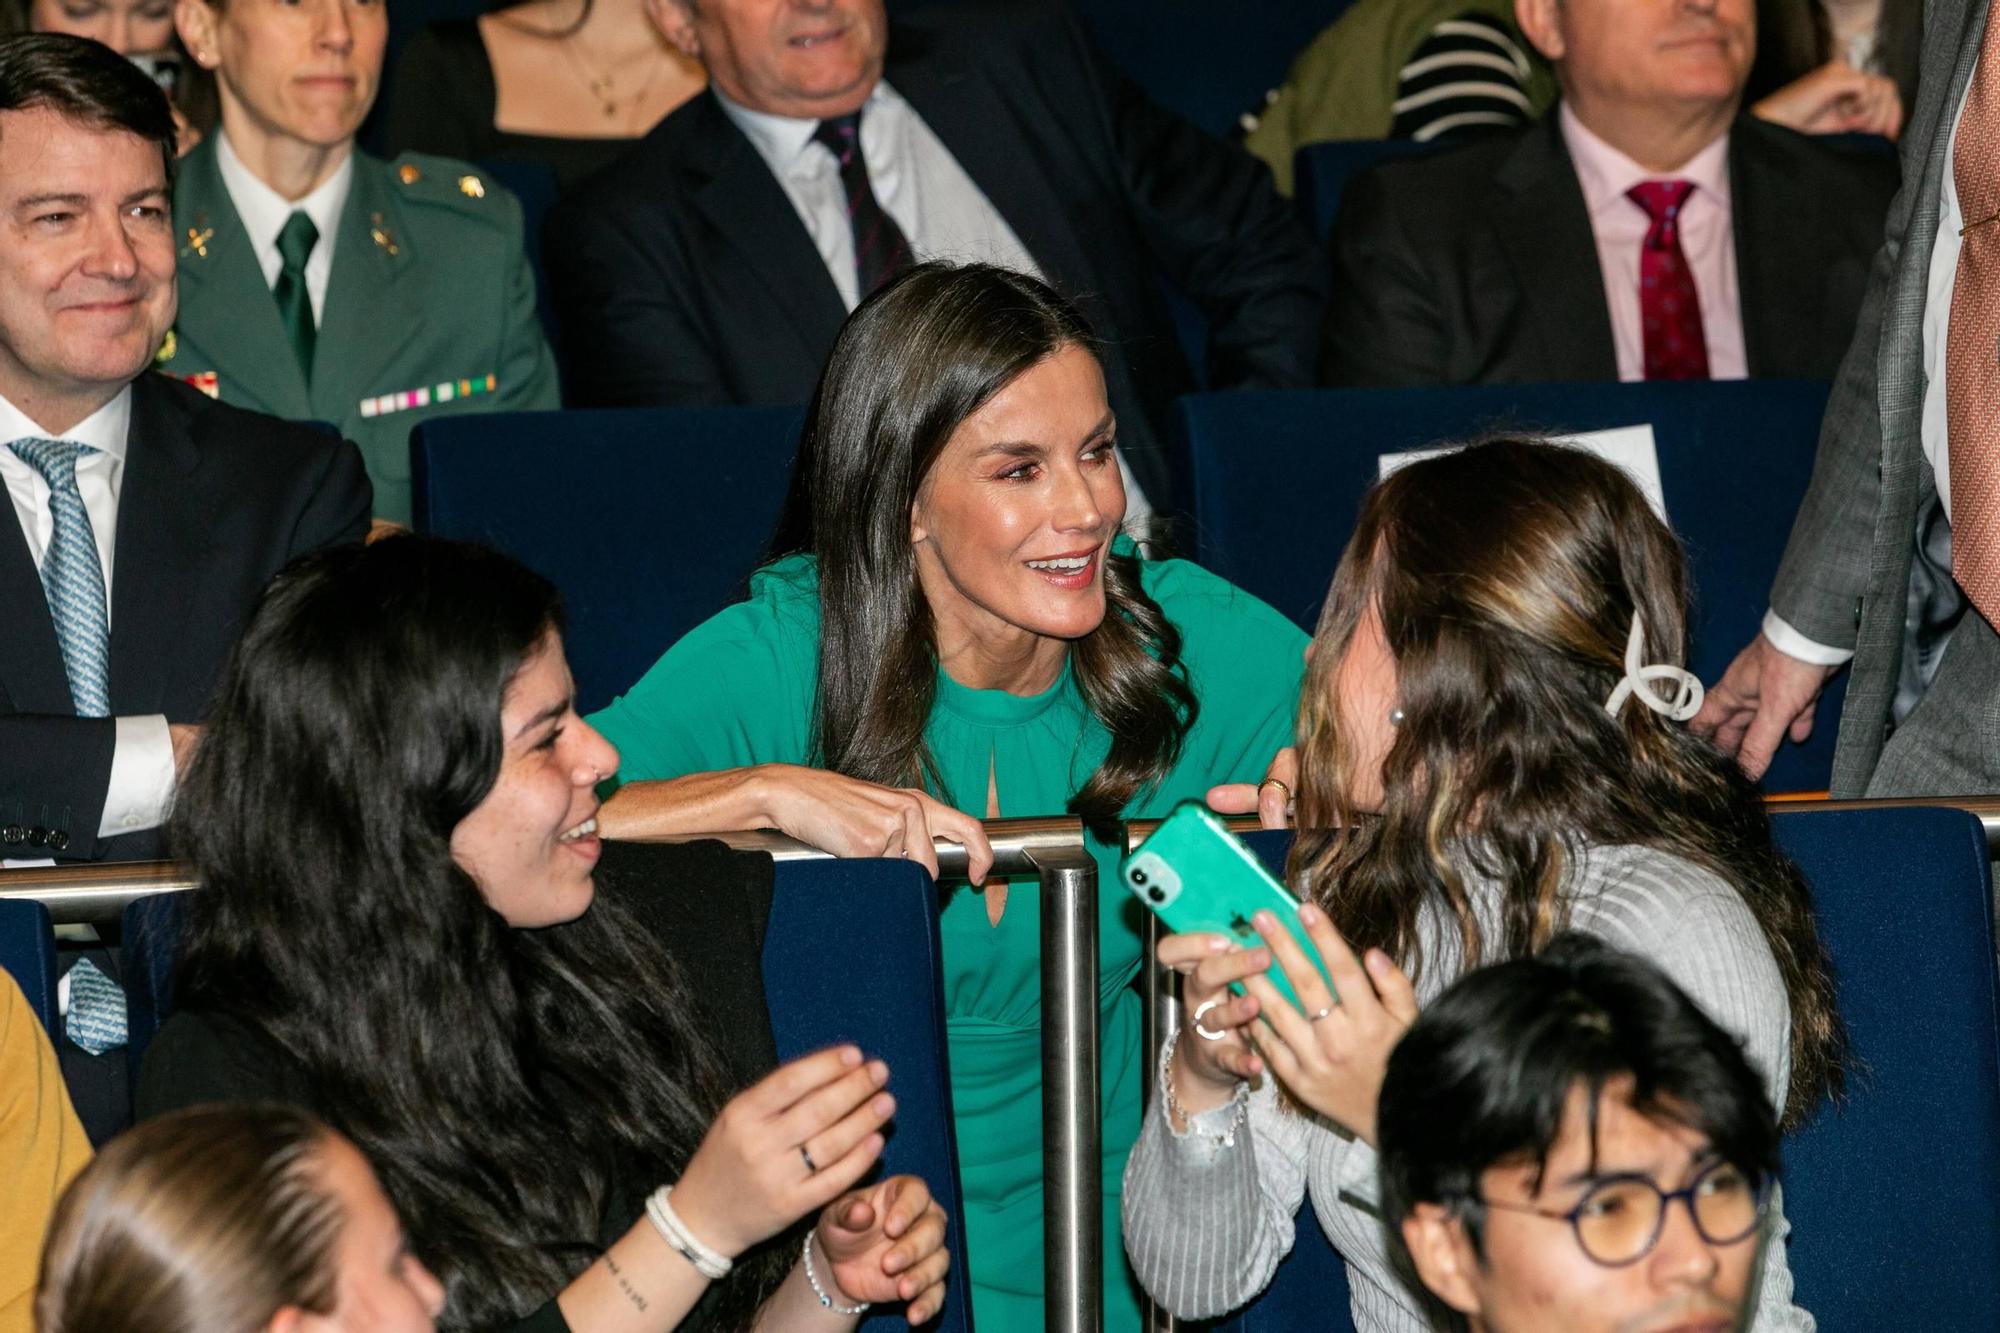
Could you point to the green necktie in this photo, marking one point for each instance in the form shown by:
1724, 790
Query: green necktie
295, 245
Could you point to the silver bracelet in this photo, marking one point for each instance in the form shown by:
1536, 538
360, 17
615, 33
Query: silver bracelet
1240, 1099
826, 1302
709, 1263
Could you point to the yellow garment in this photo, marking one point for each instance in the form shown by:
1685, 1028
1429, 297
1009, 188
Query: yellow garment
42, 1147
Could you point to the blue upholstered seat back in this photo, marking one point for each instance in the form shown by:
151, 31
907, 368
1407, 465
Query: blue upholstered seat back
28, 954
649, 520
1277, 479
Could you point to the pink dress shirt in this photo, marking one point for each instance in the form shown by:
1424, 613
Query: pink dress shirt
1620, 226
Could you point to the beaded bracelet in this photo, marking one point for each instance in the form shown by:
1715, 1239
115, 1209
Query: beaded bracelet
826, 1302
1240, 1100
709, 1263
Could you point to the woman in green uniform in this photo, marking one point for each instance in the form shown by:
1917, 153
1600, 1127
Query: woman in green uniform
970, 636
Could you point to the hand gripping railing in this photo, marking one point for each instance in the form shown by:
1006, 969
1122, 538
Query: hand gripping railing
1053, 850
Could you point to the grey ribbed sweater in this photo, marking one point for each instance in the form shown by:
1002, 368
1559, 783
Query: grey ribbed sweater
1206, 1224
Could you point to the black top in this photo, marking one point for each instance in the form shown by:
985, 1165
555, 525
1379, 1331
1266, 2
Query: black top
442, 99
706, 904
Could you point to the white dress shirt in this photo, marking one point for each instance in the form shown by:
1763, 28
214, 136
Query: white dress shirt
142, 760
264, 212
1708, 240
942, 212
1932, 431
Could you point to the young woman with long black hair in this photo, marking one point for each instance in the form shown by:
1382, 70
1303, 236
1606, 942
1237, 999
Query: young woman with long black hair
405, 927
970, 635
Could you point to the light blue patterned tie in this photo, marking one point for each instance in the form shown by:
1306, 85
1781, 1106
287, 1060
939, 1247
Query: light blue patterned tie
96, 1019
72, 578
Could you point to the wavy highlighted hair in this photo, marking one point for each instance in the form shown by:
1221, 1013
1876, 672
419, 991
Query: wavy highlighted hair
1506, 575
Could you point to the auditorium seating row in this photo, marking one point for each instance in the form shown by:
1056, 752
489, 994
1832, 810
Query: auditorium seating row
651, 520
1893, 1195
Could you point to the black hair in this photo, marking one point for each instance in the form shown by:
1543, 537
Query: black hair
918, 357
88, 83
1482, 1077
357, 723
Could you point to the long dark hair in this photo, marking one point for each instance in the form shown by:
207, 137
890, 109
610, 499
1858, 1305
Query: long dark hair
209, 1219
496, 1078
1506, 576
911, 364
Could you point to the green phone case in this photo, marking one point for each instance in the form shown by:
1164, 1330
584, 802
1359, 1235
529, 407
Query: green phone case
1198, 877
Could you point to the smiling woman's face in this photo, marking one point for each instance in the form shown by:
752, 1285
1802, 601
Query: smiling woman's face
1013, 521
532, 844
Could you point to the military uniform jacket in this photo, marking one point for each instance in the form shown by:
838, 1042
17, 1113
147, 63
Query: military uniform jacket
430, 308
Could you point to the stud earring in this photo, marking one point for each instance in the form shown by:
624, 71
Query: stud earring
1395, 717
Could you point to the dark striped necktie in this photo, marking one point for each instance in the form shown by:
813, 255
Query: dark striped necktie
880, 251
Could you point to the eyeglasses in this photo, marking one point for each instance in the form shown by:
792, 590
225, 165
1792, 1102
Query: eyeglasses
1620, 1219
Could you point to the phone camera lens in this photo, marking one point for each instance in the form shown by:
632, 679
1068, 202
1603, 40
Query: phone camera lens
1157, 894
1139, 877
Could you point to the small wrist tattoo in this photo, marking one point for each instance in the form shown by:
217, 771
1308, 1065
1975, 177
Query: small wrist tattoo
631, 1292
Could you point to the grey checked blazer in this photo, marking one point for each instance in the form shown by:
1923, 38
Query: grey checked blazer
1846, 578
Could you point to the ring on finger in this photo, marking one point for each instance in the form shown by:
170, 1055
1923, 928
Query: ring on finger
1279, 783
1201, 1013
812, 1167
1324, 1010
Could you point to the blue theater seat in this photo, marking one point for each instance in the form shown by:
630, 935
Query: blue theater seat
1277, 478
28, 954
824, 915
650, 520
1893, 1195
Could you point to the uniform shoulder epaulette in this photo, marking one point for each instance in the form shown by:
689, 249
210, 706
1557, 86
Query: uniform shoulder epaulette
445, 182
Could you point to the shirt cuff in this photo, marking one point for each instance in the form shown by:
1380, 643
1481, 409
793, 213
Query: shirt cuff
1794, 644
142, 777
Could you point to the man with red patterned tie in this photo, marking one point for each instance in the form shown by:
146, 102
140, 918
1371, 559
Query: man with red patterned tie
1894, 560
1724, 246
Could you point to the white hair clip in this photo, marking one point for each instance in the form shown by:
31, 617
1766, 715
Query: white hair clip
1637, 682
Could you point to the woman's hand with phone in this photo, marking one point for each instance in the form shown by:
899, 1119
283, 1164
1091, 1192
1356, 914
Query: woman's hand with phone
1207, 1069
1332, 1056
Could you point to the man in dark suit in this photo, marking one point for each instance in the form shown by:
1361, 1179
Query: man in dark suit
716, 262
1642, 230
1891, 560
144, 517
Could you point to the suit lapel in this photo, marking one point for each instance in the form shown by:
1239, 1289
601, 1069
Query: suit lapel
733, 187
987, 140
161, 543
1780, 258
31, 665
372, 308
1544, 229
228, 317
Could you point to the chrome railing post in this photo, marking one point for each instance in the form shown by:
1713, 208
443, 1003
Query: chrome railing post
1072, 1131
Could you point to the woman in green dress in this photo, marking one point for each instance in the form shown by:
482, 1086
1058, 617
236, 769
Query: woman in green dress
969, 636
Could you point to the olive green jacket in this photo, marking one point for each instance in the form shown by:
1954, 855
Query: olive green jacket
1343, 86
430, 308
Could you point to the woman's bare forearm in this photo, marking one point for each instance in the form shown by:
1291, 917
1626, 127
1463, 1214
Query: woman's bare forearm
722, 801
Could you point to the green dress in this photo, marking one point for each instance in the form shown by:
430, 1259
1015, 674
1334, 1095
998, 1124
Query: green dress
739, 690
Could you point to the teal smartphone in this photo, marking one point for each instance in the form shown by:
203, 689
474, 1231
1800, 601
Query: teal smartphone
1198, 877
